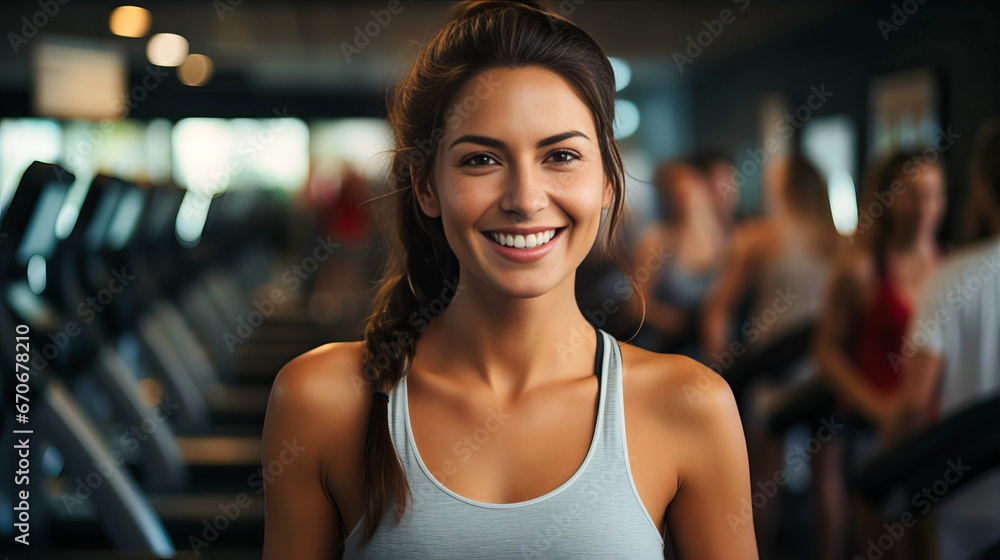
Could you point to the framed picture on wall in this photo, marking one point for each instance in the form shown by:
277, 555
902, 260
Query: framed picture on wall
903, 111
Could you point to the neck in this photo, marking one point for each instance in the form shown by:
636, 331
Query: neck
509, 344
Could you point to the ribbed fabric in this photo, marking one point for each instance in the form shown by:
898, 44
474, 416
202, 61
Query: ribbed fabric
597, 513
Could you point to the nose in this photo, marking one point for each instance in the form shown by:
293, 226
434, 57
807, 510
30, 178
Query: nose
525, 191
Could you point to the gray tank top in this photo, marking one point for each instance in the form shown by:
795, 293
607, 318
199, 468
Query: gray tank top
597, 513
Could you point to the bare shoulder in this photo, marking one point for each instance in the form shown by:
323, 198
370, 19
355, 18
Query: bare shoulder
655, 235
690, 410
853, 270
754, 238
326, 375
678, 391
311, 449
755, 230
320, 396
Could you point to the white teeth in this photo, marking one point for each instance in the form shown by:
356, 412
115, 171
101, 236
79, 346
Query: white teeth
529, 241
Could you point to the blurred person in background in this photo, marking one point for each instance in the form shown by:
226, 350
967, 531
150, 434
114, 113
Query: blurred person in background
337, 289
720, 170
956, 335
781, 261
872, 291
692, 240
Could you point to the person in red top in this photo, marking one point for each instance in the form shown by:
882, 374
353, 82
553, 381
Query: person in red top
879, 333
871, 294
874, 285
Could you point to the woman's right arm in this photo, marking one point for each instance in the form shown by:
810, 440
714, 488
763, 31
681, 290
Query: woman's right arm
300, 518
727, 289
843, 303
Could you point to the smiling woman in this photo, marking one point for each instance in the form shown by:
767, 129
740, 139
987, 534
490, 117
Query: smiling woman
506, 176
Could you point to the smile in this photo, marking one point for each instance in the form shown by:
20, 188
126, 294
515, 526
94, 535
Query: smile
524, 248
529, 241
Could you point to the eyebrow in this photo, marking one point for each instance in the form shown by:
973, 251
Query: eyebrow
494, 143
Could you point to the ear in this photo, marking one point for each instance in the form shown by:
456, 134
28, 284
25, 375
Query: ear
609, 194
426, 198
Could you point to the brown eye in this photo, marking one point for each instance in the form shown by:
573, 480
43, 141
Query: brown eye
562, 154
482, 160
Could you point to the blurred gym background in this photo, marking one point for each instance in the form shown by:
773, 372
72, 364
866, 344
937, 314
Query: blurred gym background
182, 187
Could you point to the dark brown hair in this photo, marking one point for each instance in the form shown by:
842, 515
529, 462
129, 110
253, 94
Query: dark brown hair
805, 189
986, 157
420, 264
874, 222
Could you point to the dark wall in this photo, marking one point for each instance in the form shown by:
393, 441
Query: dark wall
959, 41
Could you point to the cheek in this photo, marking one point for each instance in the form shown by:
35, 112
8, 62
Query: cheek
463, 201
936, 207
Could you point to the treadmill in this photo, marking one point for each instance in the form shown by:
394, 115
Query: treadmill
64, 440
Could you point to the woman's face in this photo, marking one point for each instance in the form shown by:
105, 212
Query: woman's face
724, 191
920, 204
689, 191
519, 152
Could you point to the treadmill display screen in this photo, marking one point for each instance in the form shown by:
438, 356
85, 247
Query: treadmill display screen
126, 217
40, 236
102, 216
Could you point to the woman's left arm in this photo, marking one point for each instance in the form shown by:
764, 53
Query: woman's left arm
711, 516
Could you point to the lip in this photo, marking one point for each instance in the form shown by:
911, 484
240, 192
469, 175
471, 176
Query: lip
525, 255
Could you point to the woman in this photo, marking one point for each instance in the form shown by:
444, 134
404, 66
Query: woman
874, 285
694, 239
780, 262
872, 292
787, 252
492, 436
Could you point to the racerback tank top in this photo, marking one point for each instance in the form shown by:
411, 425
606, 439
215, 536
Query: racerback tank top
596, 513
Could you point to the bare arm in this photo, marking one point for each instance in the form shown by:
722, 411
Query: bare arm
711, 516
725, 293
841, 306
300, 519
921, 376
